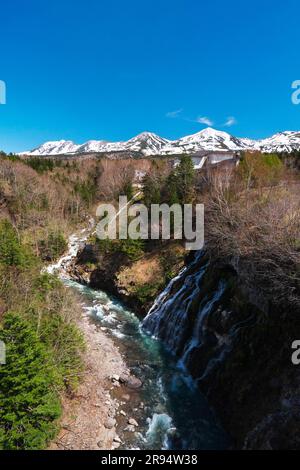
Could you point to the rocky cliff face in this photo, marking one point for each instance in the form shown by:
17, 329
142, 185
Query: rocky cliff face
136, 281
237, 346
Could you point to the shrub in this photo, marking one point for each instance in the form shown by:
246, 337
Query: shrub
127, 190
52, 315
178, 187
260, 229
12, 253
185, 178
147, 292
87, 189
40, 165
53, 247
152, 185
134, 249
106, 245
259, 170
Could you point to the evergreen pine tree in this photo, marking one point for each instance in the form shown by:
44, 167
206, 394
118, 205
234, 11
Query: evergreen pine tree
29, 403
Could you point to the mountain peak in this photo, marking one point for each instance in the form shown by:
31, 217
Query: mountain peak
150, 144
209, 130
146, 134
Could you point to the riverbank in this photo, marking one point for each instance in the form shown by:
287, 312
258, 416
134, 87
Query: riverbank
88, 421
91, 414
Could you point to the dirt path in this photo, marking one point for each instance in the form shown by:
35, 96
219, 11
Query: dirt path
88, 420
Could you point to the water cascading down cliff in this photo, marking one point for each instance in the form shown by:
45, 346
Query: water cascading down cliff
235, 343
184, 318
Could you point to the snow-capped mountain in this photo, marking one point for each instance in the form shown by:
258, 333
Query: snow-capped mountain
91, 146
148, 143
210, 139
55, 147
282, 142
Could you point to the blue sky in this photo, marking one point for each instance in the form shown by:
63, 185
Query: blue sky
90, 69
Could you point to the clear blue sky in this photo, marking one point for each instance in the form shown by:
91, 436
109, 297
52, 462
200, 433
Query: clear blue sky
90, 69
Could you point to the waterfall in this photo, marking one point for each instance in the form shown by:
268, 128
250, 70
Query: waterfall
198, 330
180, 317
168, 318
191, 318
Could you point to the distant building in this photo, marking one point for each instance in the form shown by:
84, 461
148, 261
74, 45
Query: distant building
204, 160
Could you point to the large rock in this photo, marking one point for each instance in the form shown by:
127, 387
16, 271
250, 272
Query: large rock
115, 378
129, 428
133, 422
109, 423
133, 382
89, 254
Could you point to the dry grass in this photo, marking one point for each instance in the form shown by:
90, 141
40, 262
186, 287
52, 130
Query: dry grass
145, 271
261, 227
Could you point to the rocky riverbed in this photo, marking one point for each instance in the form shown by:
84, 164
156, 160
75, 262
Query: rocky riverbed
91, 415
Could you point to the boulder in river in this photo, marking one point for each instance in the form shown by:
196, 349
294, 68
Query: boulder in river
133, 382
133, 422
129, 428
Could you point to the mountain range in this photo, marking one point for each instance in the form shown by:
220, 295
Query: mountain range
150, 144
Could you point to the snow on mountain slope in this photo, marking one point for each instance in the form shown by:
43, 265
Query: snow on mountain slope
148, 143
249, 144
282, 142
55, 147
91, 146
210, 139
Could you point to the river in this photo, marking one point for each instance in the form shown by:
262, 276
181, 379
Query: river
171, 412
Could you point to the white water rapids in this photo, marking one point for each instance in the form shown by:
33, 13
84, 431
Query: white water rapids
175, 415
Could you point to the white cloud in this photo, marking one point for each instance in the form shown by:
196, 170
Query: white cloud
204, 120
174, 114
230, 121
